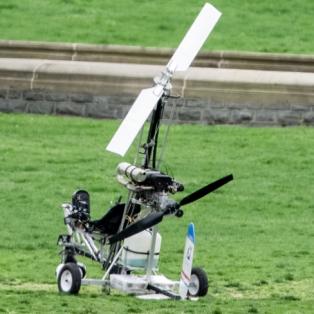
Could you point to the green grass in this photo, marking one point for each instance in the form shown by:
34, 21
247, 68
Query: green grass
255, 236
267, 26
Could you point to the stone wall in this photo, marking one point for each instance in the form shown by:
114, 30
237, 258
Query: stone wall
106, 90
188, 110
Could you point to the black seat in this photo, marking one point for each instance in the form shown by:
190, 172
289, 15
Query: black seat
110, 222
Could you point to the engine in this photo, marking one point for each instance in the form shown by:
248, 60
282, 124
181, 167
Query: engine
151, 187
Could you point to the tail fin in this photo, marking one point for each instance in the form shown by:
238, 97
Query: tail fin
187, 262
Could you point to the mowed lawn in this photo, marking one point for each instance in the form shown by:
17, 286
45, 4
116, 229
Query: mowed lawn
267, 26
254, 236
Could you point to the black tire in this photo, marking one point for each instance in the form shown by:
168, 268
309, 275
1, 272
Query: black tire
199, 283
82, 269
69, 279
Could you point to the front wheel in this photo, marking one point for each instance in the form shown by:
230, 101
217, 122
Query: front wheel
69, 279
199, 283
82, 269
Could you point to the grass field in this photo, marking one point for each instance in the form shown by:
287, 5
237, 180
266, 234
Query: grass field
255, 236
276, 26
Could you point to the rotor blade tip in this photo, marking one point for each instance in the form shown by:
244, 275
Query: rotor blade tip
114, 151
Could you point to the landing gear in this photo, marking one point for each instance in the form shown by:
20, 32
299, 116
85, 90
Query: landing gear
199, 283
69, 278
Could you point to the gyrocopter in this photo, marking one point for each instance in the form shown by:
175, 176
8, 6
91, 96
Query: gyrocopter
125, 241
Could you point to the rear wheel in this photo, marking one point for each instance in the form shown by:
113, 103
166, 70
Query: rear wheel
199, 283
69, 279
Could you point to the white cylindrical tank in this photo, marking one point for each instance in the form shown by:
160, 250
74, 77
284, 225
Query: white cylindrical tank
136, 250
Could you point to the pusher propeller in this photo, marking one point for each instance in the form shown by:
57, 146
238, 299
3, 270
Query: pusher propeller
173, 208
205, 190
143, 224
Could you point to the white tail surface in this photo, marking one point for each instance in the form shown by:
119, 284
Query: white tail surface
187, 262
194, 38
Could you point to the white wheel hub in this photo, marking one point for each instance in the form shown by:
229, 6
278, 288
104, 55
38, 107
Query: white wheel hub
194, 285
66, 280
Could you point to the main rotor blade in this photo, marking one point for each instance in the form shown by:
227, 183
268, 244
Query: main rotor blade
139, 226
205, 190
194, 38
134, 120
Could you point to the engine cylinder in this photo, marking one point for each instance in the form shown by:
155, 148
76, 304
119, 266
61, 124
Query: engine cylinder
134, 173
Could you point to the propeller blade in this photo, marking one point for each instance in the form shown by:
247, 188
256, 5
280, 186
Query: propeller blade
139, 226
194, 38
205, 190
134, 120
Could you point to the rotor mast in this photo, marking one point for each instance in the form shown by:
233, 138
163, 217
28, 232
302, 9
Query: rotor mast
152, 138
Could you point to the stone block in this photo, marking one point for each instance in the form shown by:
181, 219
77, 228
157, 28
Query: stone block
191, 115
231, 105
177, 102
242, 116
33, 95
17, 106
53, 96
278, 105
40, 107
14, 94
289, 118
97, 110
82, 98
308, 118
265, 116
115, 102
169, 113
299, 107
216, 105
68, 108
120, 110
3, 105
3, 94
119, 100
208, 117
222, 116
196, 104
